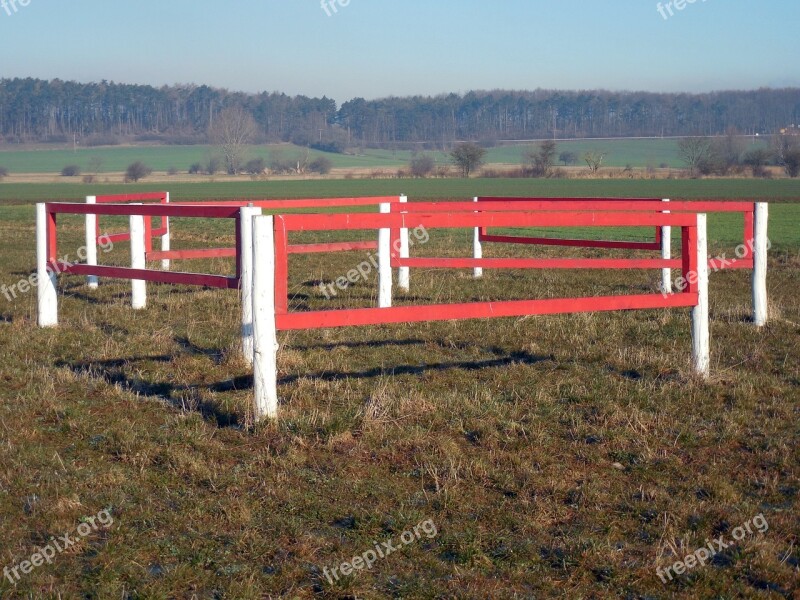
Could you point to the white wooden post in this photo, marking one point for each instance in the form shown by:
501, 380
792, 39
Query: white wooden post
91, 243
165, 241
404, 273
666, 254
701, 358
760, 248
138, 261
477, 250
265, 334
385, 262
46, 292
246, 215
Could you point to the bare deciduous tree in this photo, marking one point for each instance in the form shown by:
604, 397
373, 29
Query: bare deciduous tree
232, 130
757, 159
695, 152
568, 158
468, 157
787, 151
137, 171
422, 165
540, 160
726, 155
594, 159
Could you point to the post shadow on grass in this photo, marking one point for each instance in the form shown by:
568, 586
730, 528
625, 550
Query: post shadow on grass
513, 358
112, 371
77, 291
189, 347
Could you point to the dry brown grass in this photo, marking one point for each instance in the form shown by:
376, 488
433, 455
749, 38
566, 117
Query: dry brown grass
564, 456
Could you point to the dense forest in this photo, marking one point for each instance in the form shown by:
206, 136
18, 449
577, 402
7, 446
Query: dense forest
33, 110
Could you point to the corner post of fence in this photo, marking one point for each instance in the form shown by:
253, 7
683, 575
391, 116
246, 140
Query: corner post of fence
760, 249
265, 333
477, 250
404, 273
246, 215
701, 345
91, 243
138, 261
666, 254
46, 293
385, 262
165, 239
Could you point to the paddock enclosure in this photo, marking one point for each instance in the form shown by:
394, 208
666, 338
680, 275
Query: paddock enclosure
264, 243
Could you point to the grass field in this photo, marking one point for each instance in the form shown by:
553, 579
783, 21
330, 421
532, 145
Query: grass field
566, 456
636, 153
161, 158
785, 229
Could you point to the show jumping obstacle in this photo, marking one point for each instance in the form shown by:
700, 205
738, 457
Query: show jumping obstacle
754, 246
755, 215
93, 235
262, 250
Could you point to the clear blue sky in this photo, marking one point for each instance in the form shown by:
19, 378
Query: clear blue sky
374, 48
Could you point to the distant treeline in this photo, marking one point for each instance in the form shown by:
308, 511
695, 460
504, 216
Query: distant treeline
33, 110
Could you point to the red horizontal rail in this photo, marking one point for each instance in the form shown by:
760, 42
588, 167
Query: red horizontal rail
479, 310
145, 197
718, 264
231, 252
526, 205
538, 263
331, 247
116, 237
507, 239
317, 222
702, 206
202, 279
567, 199
298, 202
192, 254
152, 210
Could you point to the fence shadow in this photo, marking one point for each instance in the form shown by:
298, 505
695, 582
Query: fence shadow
514, 358
113, 371
504, 358
117, 372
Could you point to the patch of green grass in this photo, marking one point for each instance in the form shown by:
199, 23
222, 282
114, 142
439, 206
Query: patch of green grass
784, 231
465, 189
568, 452
161, 158
620, 152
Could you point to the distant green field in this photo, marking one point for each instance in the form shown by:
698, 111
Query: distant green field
778, 189
619, 153
162, 158
636, 153
784, 224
